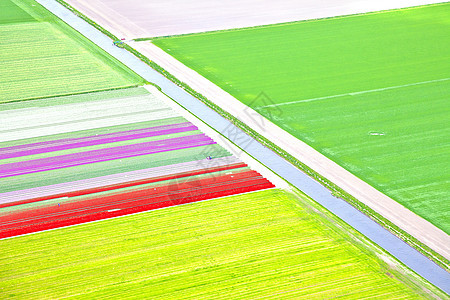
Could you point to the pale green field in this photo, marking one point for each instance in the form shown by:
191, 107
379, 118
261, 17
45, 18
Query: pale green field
263, 244
41, 56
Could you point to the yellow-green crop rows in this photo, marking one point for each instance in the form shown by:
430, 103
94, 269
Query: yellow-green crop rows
262, 244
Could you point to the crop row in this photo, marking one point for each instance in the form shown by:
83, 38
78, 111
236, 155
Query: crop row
71, 176
131, 197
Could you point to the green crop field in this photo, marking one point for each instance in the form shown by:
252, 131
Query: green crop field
41, 56
267, 243
370, 92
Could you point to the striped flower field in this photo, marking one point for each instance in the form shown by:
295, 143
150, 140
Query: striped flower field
142, 156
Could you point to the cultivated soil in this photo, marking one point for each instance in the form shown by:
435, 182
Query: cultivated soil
143, 18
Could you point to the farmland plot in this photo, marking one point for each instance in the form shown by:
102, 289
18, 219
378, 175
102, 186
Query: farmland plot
41, 56
262, 244
368, 91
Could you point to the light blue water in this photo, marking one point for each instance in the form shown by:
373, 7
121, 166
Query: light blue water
402, 251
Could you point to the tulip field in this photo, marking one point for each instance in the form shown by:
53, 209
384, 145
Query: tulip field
143, 156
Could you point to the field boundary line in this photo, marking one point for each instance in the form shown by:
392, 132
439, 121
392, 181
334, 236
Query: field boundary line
357, 93
68, 94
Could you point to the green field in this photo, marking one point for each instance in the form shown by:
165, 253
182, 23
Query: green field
368, 91
260, 244
41, 56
